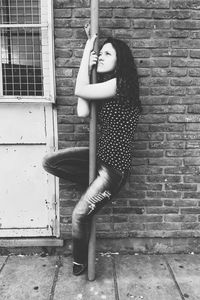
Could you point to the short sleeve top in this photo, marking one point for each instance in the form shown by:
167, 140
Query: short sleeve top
117, 122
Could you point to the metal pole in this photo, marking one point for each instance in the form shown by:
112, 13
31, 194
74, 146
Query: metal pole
92, 144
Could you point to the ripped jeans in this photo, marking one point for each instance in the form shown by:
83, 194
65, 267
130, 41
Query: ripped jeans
73, 164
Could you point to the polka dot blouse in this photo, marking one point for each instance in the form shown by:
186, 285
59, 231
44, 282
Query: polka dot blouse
117, 124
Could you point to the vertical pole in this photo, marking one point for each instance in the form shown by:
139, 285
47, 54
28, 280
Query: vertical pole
92, 145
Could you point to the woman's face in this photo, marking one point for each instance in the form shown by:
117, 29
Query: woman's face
107, 59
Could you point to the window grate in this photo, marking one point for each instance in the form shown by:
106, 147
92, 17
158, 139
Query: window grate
21, 48
22, 62
20, 12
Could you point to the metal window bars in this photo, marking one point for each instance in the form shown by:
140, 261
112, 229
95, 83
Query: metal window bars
20, 12
21, 62
21, 48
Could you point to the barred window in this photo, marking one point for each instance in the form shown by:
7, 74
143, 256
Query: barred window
24, 48
20, 11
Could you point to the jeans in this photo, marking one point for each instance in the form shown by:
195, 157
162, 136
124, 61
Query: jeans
73, 164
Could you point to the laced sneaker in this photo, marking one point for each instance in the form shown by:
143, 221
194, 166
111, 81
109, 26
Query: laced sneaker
79, 269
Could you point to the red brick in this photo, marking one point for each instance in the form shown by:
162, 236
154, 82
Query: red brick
152, 4
161, 197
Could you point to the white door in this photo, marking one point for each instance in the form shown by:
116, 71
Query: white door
28, 195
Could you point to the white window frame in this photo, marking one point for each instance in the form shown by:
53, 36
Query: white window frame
48, 61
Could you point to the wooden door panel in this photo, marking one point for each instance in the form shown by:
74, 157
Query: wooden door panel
23, 193
22, 123
28, 205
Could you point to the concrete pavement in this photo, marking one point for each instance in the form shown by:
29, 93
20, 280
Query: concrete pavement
118, 277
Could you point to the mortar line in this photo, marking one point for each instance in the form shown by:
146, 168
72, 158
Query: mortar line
55, 279
4, 263
115, 279
174, 278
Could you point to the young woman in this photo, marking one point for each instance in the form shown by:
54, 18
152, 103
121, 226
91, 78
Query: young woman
117, 98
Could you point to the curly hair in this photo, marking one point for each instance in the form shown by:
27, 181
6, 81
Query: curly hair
125, 72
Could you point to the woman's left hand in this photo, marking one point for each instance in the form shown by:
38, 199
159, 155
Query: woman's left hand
90, 42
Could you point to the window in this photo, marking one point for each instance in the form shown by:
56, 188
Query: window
26, 55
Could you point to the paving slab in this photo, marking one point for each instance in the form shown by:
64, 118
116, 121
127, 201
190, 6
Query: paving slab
186, 269
118, 277
73, 287
144, 277
27, 277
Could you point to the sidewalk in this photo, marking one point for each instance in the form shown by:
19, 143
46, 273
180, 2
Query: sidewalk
118, 277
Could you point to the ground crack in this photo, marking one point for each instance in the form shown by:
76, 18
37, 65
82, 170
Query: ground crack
174, 278
58, 266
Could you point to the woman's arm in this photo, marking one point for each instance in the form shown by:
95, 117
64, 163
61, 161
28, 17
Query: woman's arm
83, 73
83, 108
83, 88
83, 77
98, 91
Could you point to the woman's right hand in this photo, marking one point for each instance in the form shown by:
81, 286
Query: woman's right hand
93, 60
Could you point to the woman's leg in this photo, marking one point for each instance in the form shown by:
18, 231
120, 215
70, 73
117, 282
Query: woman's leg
71, 164
101, 190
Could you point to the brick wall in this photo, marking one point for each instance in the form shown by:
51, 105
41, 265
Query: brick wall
162, 196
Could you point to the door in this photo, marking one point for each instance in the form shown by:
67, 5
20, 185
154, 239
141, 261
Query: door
28, 195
